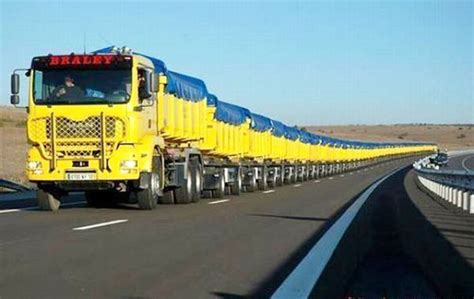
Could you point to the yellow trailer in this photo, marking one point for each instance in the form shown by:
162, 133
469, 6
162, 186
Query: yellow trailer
122, 122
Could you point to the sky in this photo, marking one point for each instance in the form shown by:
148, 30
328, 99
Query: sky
304, 63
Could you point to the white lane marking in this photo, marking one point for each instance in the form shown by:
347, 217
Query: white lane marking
341, 175
304, 277
100, 224
37, 208
330, 178
218, 201
297, 185
464, 162
268, 191
317, 181
9, 211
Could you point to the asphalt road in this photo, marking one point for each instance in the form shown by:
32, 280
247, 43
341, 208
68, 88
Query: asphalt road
245, 246
461, 162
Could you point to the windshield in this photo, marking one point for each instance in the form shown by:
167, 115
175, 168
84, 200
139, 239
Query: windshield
90, 86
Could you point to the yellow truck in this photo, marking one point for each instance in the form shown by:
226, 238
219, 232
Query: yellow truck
121, 126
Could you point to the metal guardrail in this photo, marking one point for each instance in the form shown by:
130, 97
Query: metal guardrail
454, 186
13, 186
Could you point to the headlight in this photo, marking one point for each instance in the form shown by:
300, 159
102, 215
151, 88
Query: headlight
33, 165
128, 164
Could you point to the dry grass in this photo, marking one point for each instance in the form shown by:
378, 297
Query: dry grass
449, 137
13, 146
13, 143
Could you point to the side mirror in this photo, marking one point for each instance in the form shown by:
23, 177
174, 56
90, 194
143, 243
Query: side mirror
147, 92
15, 99
15, 83
15, 89
153, 82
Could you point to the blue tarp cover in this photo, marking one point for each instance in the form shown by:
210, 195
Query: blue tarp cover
291, 133
260, 123
278, 129
211, 100
305, 137
186, 87
194, 89
231, 114
315, 139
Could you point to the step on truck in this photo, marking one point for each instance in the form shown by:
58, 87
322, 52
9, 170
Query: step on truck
121, 127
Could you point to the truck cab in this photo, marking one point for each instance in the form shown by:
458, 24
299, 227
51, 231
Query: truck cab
91, 125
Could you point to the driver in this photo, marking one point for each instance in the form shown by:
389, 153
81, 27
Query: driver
69, 90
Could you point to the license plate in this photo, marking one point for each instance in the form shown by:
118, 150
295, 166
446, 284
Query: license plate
81, 176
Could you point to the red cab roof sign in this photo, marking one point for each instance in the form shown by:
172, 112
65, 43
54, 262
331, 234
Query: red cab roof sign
82, 61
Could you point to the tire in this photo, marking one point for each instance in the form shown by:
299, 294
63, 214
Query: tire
293, 178
253, 185
147, 199
184, 194
263, 184
271, 184
167, 198
281, 179
236, 187
197, 179
48, 201
220, 191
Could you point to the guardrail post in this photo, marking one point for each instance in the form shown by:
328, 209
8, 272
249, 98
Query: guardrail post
455, 196
450, 194
459, 198
471, 203
465, 200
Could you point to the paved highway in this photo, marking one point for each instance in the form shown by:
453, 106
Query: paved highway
238, 246
461, 162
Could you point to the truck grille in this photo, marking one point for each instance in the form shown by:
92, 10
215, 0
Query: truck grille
77, 139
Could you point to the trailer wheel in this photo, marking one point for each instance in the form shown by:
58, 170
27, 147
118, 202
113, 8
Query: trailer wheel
196, 173
253, 185
184, 194
48, 201
294, 176
220, 191
236, 187
167, 198
263, 182
281, 179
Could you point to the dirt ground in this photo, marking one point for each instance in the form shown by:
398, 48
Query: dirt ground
449, 137
13, 142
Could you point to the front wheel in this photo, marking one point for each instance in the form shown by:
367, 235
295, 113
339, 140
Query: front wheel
147, 198
48, 201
